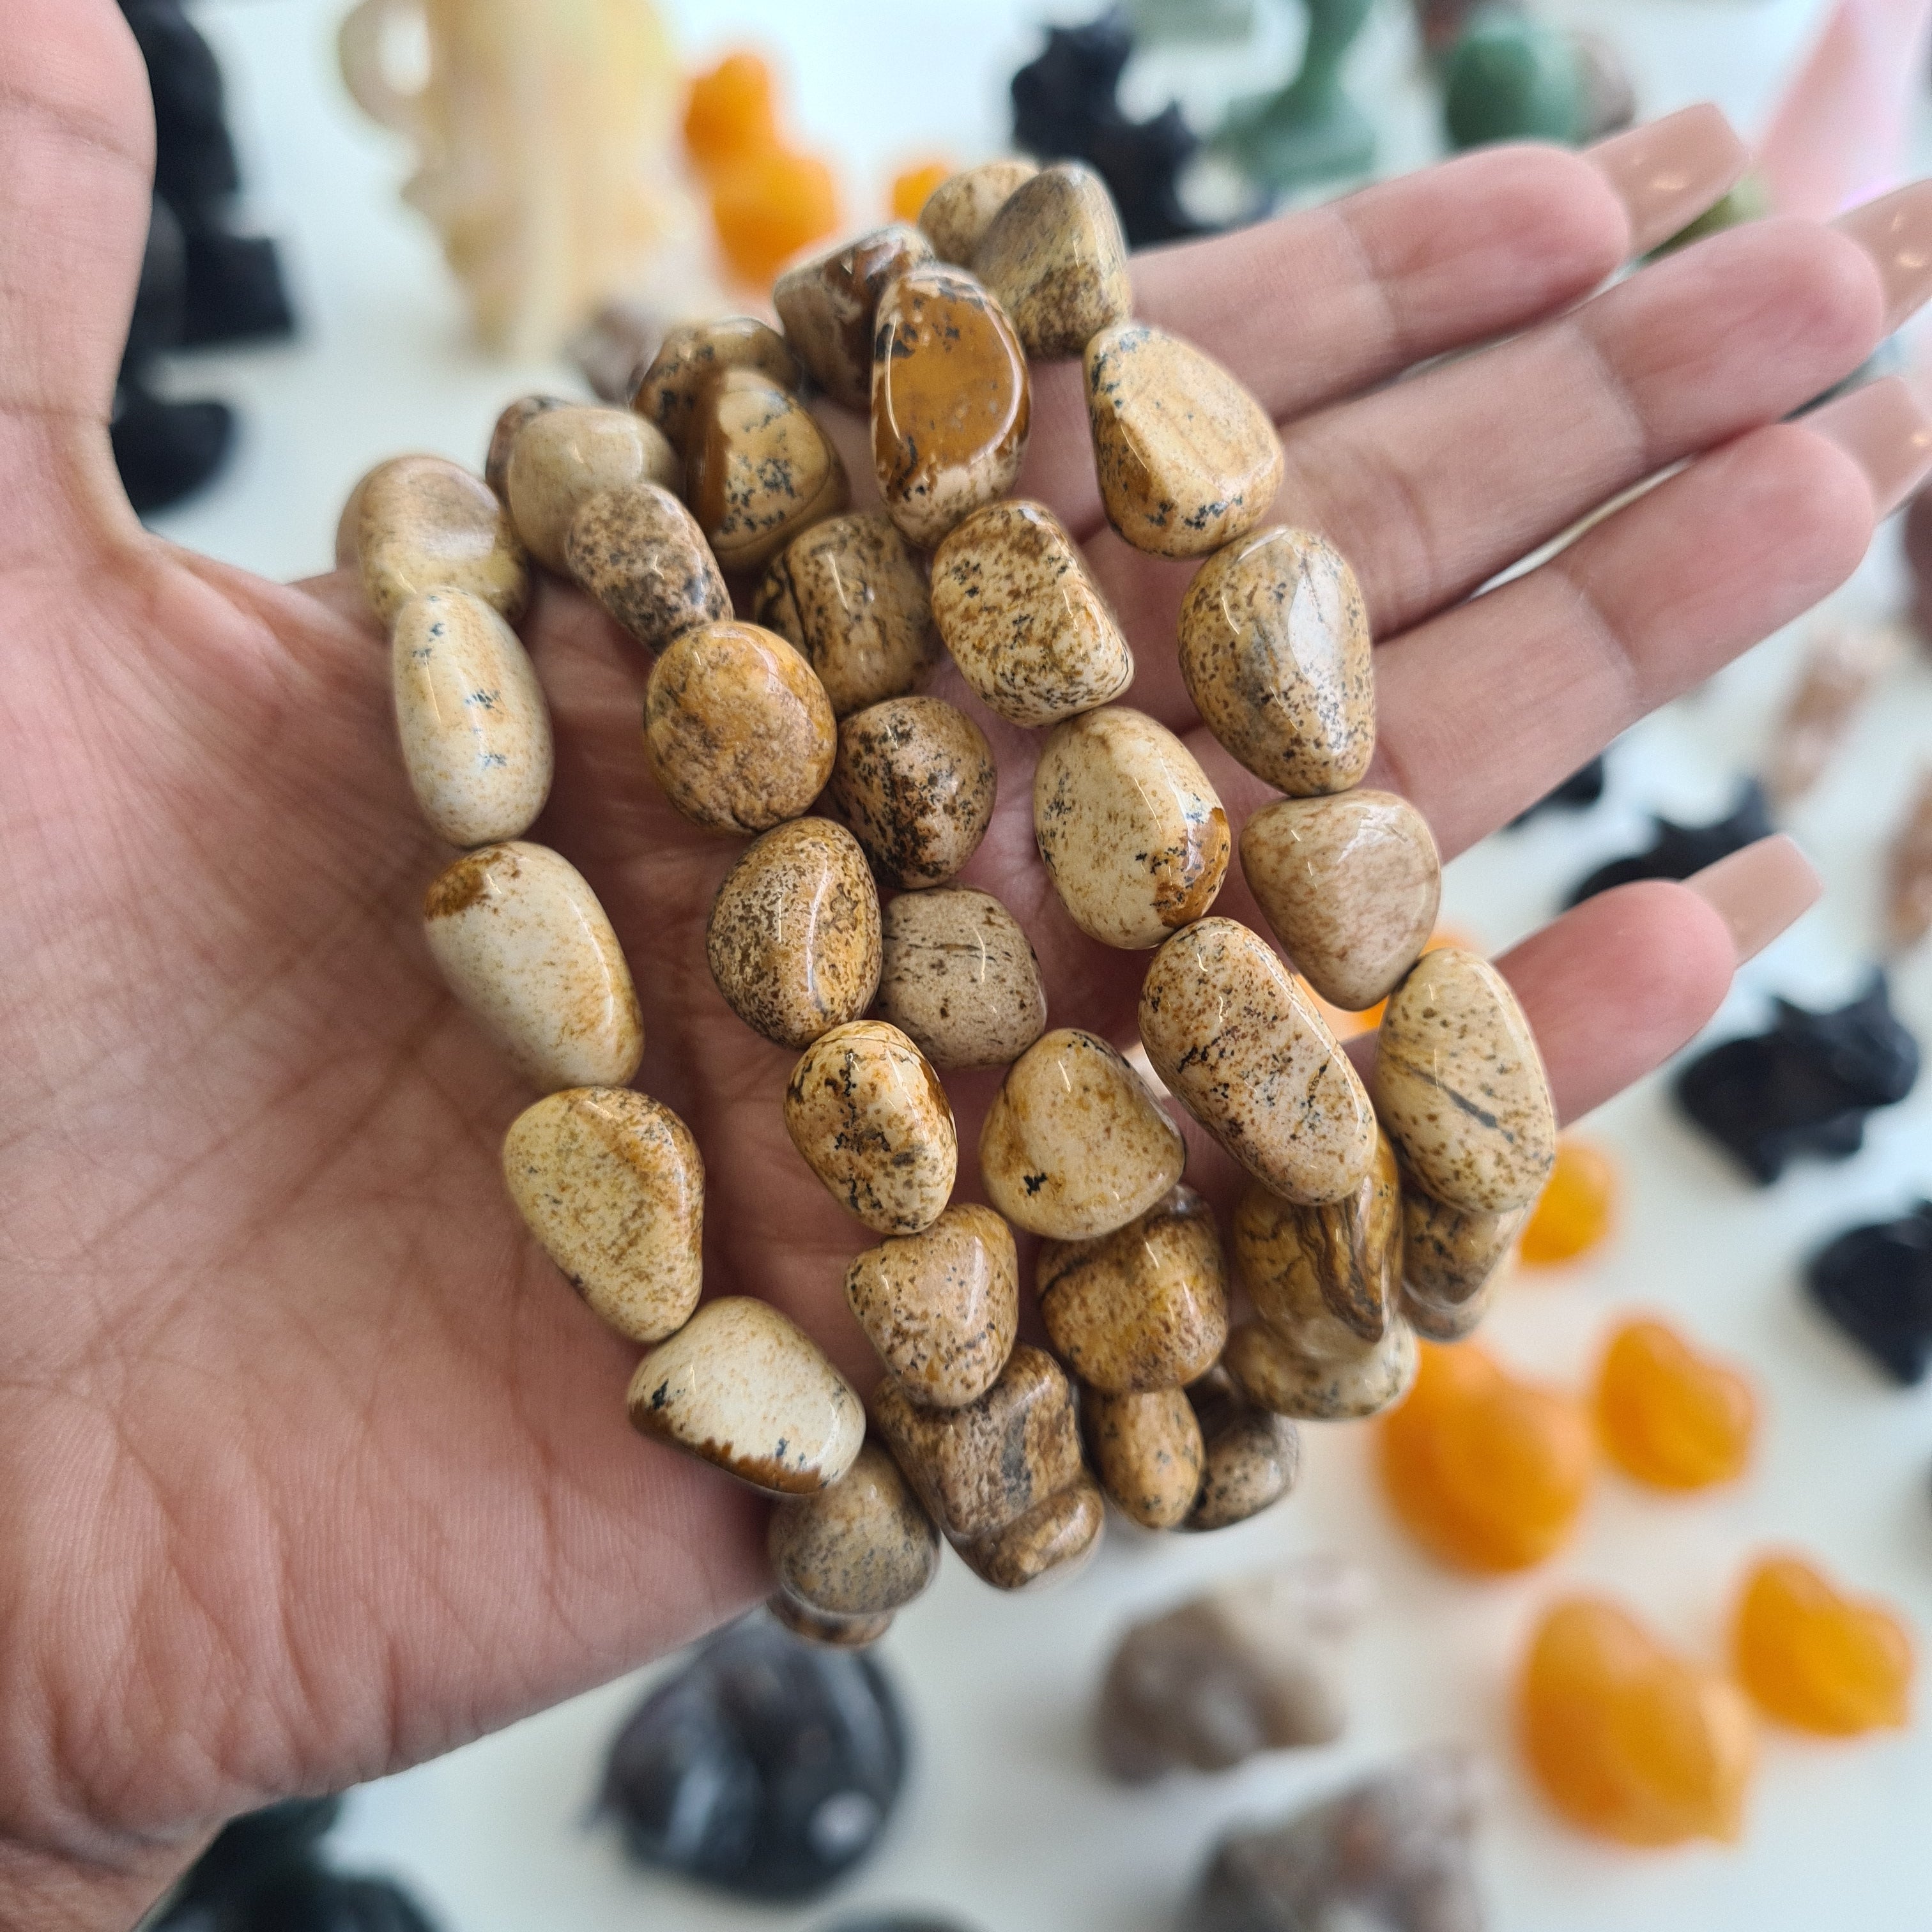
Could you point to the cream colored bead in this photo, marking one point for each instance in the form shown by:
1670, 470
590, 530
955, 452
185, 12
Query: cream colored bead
562, 458
425, 524
960, 978
960, 210
858, 1549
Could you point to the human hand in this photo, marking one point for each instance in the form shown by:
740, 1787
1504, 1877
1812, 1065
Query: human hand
309, 1466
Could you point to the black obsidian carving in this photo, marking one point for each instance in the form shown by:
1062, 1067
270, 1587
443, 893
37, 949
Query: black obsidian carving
309, 1898
249, 1848
766, 1767
1679, 850
1875, 1282
1805, 1086
1577, 793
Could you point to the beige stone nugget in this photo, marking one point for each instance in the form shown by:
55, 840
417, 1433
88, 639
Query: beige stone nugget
1147, 1451
470, 715
639, 553
850, 593
739, 733
694, 352
1023, 618
758, 470
1443, 1322
425, 524
1132, 833
523, 944
941, 1308
960, 978
1074, 1144
1276, 653
740, 1386
1055, 256
827, 306
869, 1118
1461, 1088
1450, 1255
1240, 1043
1351, 886
1251, 1459
916, 781
562, 458
1274, 1375
611, 1184
1188, 460
1052, 1543
496, 465
958, 211
794, 936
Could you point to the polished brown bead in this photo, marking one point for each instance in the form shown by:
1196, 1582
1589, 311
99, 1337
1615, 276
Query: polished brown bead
915, 780
1052, 1543
960, 978
1147, 1451
1055, 257
759, 468
639, 553
828, 306
855, 1551
690, 356
959, 211
1274, 1374
1250, 1459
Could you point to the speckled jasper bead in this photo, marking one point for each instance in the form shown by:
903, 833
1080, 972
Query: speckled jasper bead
1055, 256
827, 306
958, 211
1147, 1452
692, 354
1276, 1376
496, 465
760, 469
425, 524
1050, 1544
916, 781
960, 978
639, 553
562, 458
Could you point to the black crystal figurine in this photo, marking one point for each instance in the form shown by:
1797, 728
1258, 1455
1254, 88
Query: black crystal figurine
310, 1898
250, 1849
1875, 1282
1577, 793
766, 1767
1805, 1086
1679, 850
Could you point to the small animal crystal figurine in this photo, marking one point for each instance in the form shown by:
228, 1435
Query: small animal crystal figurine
543, 140
1510, 76
1309, 131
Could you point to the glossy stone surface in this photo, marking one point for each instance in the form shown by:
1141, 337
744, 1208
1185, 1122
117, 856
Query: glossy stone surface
1143, 1308
1274, 1374
1250, 1459
914, 779
1253, 1666
1131, 832
1669, 1415
957, 212
563, 457
869, 1118
1188, 460
425, 524
1874, 1283
1276, 652
760, 469
762, 1767
1818, 1659
850, 593
639, 553
827, 306
1023, 618
1460, 1086
690, 356
1075, 1144
471, 716
741, 1387
1055, 256
960, 978
496, 466
858, 1550
1350, 885
611, 1184
1450, 1256
1147, 1451
1240, 1042
793, 937
942, 1307
951, 404
739, 731
523, 944
1050, 1543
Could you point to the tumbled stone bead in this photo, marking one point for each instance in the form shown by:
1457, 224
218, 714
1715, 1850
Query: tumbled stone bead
760, 469
1275, 1376
942, 1307
1276, 652
1460, 1086
915, 780
951, 404
869, 1118
523, 944
425, 524
984, 1465
851, 1554
742, 1388
1188, 460
611, 1184
960, 210
1250, 1459
690, 356
1052, 1541
794, 936
1240, 1044
827, 1632
1074, 1144
1055, 256
1447, 1321
348, 525
1144, 1307
827, 307
497, 464
563, 457
739, 733
1023, 618
851, 594
1147, 1452
639, 553
1449, 1253
471, 716
1132, 833
1351, 886
960, 978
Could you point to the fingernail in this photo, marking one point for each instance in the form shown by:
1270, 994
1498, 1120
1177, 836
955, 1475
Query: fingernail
1896, 232
1759, 891
1668, 172
1882, 428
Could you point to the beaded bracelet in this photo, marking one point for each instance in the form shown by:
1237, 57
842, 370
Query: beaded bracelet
1363, 1223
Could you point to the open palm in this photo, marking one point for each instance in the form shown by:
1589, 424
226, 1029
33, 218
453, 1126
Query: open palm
309, 1464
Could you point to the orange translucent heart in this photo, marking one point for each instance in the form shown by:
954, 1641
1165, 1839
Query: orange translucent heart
1575, 1210
728, 114
768, 205
1670, 1416
1827, 1663
1489, 1473
1627, 1740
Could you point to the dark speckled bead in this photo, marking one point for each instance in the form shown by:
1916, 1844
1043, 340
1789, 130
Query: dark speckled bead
916, 781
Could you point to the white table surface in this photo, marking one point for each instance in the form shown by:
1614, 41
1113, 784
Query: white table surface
1007, 1823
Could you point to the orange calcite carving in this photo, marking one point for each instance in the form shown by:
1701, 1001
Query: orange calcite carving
1574, 1212
1667, 1415
1810, 1657
770, 206
729, 115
